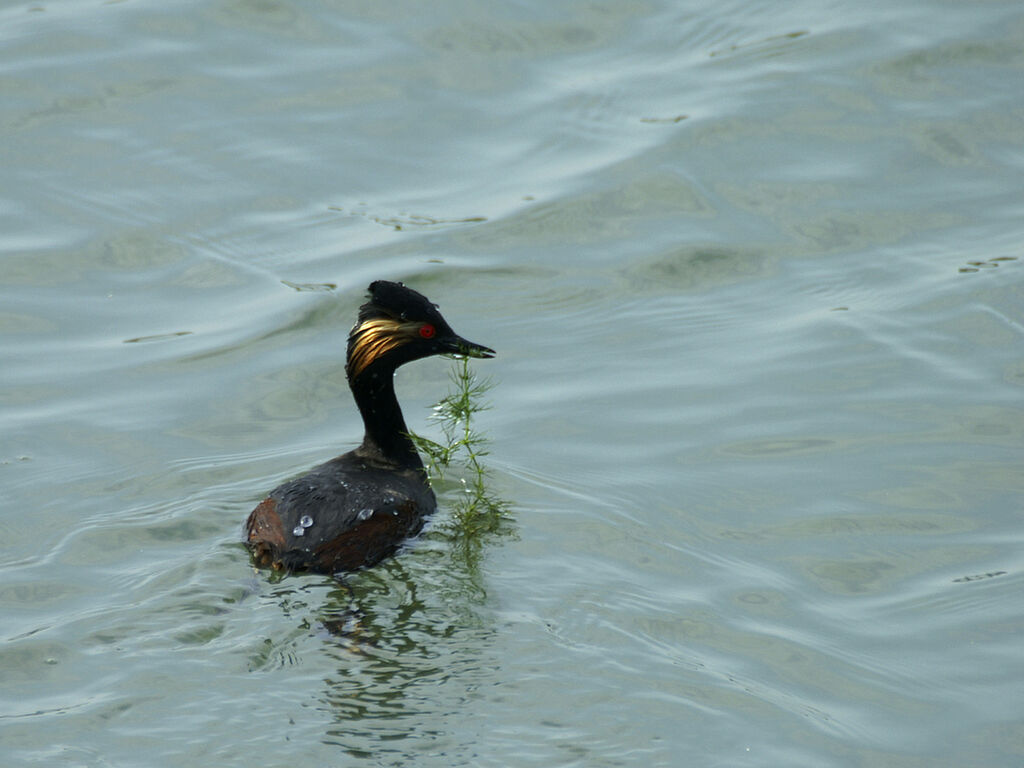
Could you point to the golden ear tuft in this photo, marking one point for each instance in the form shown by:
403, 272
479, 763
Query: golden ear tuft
371, 340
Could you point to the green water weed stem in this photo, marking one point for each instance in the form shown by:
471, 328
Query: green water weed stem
477, 510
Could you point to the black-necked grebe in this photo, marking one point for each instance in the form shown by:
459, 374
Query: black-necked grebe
356, 509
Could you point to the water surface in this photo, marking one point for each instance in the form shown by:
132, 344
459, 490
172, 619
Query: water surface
754, 278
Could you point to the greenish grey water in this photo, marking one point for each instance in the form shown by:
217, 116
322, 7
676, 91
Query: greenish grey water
754, 275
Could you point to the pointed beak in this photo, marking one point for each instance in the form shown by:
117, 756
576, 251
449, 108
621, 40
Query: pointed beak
462, 347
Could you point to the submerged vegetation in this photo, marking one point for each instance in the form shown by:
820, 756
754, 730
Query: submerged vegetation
476, 510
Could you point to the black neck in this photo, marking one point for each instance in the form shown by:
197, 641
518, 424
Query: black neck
386, 437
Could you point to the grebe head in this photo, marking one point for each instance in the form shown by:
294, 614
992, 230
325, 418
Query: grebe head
397, 325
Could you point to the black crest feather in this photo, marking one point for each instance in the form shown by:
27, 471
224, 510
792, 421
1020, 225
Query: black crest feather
398, 301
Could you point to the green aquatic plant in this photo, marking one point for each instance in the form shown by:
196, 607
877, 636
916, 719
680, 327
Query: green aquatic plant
476, 510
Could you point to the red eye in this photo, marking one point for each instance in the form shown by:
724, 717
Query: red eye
427, 331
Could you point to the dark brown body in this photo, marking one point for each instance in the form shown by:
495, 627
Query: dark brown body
355, 510
359, 515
